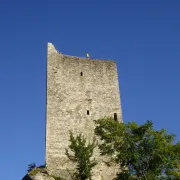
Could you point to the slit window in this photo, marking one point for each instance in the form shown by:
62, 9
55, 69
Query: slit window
87, 112
81, 73
115, 117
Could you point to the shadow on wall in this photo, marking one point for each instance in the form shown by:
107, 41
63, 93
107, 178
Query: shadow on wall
26, 177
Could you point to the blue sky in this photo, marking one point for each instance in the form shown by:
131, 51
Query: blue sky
143, 37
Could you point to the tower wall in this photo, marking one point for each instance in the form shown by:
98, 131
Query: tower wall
79, 90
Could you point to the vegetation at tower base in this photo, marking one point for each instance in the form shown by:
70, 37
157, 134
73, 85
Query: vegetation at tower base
141, 152
39, 173
81, 154
173, 169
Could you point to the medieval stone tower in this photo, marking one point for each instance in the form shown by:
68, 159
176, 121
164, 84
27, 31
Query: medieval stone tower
79, 90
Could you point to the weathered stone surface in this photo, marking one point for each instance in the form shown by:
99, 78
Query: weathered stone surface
79, 90
38, 176
42, 176
63, 173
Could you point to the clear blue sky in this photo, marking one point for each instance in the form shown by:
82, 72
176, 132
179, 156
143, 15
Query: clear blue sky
143, 37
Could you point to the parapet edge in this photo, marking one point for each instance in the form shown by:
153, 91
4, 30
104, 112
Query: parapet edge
51, 50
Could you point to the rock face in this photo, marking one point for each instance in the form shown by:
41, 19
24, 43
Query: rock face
79, 90
38, 176
42, 176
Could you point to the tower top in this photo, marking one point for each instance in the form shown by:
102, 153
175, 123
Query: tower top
51, 48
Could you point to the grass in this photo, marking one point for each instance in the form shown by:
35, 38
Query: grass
34, 171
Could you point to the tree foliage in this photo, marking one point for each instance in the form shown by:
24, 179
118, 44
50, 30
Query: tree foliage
141, 151
173, 170
81, 154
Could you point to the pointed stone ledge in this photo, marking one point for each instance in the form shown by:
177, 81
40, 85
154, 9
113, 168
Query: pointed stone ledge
51, 49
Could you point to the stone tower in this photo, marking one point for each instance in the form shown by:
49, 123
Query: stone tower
79, 90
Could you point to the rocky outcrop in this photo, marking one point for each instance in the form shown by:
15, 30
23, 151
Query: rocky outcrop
40, 174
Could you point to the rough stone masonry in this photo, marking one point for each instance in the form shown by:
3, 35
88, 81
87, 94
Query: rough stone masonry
79, 90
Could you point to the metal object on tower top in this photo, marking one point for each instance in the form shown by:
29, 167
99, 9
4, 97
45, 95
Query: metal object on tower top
87, 55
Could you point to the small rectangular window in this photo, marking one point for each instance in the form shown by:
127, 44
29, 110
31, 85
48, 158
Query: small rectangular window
81, 73
87, 112
115, 117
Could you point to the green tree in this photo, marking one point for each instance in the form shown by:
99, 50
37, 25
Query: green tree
173, 168
81, 154
142, 152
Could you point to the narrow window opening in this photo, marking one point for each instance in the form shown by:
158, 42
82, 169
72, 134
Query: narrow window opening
81, 73
87, 112
115, 117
